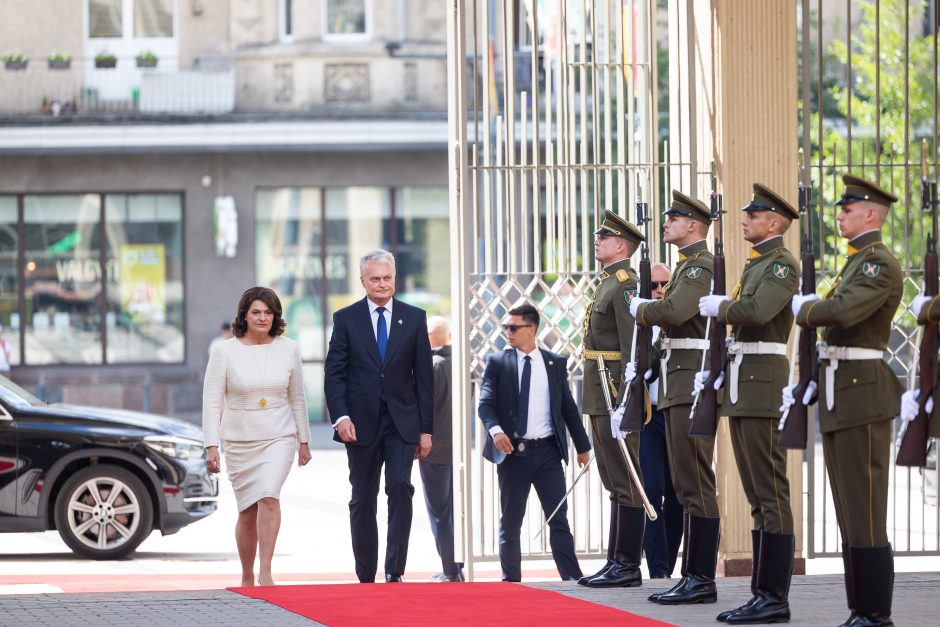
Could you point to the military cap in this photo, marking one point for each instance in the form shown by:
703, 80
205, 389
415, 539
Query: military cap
688, 207
618, 227
765, 199
859, 189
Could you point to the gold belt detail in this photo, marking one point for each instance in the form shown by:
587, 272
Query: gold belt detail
614, 355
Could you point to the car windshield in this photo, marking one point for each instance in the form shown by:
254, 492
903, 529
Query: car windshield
15, 395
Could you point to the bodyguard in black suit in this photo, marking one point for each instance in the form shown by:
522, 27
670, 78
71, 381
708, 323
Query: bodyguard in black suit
379, 391
525, 405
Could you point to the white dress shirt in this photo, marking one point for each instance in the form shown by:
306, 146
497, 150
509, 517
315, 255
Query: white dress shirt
539, 421
373, 314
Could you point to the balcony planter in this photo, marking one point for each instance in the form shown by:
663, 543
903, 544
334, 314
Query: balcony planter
14, 61
58, 61
105, 61
146, 60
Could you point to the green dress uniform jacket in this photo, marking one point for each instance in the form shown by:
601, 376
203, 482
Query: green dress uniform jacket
759, 311
608, 329
930, 314
858, 311
677, 315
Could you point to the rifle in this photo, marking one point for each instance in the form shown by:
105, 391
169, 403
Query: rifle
793, 423
704, 414
636, 397
912, 450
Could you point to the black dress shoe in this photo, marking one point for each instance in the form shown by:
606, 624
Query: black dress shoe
677, 587
392, 578
445, 578
767, 608
583, 580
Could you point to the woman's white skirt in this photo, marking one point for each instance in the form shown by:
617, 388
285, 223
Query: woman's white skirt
258, 469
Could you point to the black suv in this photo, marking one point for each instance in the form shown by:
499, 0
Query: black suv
104, 478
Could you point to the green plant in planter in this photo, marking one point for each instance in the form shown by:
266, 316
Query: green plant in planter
105, 60
14, 61
146, 59
59, 60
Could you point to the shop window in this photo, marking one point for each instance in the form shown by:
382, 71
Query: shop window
422, 229
102, 278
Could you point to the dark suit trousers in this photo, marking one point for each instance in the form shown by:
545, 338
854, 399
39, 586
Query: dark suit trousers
365, 463
541, 468
439, 498
663, 536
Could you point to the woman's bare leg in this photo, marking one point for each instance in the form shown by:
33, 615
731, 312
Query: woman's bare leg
269, 523
246, 539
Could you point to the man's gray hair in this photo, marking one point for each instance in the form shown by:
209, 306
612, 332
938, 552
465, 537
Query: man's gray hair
376, 254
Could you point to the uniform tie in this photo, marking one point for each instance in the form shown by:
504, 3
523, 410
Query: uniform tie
381, 333
523, 417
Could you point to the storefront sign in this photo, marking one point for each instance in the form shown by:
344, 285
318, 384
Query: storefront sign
143, 283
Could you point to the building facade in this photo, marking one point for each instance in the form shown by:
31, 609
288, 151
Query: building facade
273, 142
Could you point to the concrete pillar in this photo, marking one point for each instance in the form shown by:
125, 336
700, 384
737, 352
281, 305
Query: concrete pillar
734, 93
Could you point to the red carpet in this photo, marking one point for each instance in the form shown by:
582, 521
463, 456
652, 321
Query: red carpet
434, 604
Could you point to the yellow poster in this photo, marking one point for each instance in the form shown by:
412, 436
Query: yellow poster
143, 283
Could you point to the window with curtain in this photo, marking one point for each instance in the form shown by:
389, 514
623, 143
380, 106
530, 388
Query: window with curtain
347, 17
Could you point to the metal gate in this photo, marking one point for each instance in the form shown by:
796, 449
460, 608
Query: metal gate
557, 121
869, 82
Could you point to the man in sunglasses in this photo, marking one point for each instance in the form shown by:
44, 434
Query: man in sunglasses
758, 311
526, 406
608, 332
682, 341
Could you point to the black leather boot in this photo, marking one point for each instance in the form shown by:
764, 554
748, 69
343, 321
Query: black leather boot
755, 560
849, 587
704, 534
683, 569
771, 604
873, 579
625, 570
611, 546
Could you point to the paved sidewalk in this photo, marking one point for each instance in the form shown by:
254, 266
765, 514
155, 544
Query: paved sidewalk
815, 600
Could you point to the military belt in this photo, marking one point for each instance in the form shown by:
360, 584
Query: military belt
670, 344
739, 350
835, 354
592, 355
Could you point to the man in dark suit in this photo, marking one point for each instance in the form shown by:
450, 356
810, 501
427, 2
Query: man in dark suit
526, 405
379, 390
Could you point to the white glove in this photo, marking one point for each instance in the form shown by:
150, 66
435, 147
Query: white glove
629, 373
708, 305
786, 395
699, 383
615, 419
635, 303
919, 301
910, 405
801, 299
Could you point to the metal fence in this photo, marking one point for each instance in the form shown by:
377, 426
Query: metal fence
869, 82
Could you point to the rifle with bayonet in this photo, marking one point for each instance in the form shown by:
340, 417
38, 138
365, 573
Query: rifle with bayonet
636, 397
912, 450
705, 407
793, 423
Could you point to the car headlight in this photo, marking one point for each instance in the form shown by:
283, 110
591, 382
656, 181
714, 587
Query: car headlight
180, 448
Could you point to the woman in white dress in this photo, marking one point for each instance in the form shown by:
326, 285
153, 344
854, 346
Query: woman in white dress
253, 400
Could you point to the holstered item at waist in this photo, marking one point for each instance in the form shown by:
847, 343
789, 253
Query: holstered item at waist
835, 354
738, 350
669, 344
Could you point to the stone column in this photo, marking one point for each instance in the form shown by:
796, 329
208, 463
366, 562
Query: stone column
734, 92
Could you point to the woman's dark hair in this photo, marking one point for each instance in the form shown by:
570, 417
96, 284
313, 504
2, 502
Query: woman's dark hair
529, 313
267, 296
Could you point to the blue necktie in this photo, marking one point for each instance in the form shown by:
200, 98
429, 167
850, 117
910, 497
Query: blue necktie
523, 418
381, 333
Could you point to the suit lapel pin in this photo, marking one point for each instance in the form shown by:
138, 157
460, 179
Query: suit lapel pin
399, 321
551, 363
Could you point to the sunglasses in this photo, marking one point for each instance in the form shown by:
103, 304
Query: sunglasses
657, 284
512, 328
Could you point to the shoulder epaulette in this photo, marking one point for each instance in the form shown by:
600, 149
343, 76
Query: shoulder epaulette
622, 275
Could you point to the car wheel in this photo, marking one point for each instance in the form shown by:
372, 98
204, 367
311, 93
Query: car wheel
103, 512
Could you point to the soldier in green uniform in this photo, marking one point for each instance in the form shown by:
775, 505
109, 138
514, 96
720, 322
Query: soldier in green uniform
758, 311
681, 345
608, 332
927, 311
858, 395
